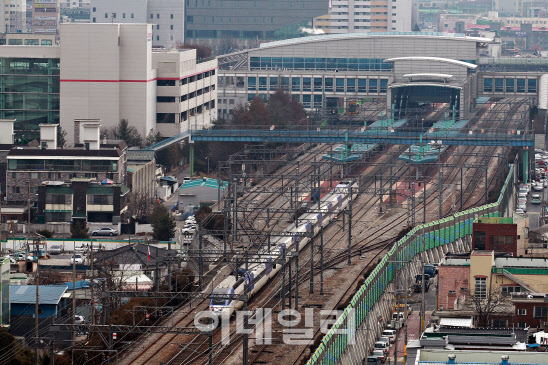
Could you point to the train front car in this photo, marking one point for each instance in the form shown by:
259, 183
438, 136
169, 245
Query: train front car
222, 306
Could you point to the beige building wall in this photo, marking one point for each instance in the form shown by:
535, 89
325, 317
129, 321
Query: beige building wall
481, 263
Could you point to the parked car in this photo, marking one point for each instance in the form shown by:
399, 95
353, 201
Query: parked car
539, 186
105, 231
56, 249
189, 230
520, 211
79, 319
373, 359
79, 258
380, 355
523, 207
391, 334
22, 257
380, 345
522, 194
535, 199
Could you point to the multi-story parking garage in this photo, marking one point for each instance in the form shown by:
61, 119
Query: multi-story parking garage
404, 69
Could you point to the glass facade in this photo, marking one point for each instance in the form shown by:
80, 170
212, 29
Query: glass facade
320, 64
509, 85
63, 165
4, 291
29, 93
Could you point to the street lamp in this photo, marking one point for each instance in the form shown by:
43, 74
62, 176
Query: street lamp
207, 158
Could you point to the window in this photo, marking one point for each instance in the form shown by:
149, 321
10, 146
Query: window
307, 84
501, 241
522, 325
106, 15
100, 199
171, 16
114, 15
510, 88
487, 85
328, 84
132, 16
362, 85
94, 9
499, 86
190, 19
273, 85
262, 83
295, 84
351, 85
124, 15
306, 101
480, 290
151, 16
165, 118
171, 26
540, 312
500, 323
339, 83
373, 85
34, 175
251, 83
57, 199
15, 189
166, 82
479, 240
318, 84
531, 85
508, 290
522, 312
165, 99
157, 16
384, 85
157, 37
94, 20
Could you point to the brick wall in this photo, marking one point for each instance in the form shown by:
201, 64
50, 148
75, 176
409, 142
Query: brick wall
528, 318
453, 283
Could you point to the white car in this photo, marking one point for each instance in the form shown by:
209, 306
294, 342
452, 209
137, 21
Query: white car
189, 230
523, 207
105, 231
79, 320
520, 211
79, 258
538, 186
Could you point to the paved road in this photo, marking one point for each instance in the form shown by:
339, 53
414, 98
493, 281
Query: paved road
413, 322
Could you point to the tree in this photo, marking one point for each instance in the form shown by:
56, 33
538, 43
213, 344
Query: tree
77, 231
12, 352
227, 45
141, 204
282, 109
163, 224
486, 305
201, 51
259, 112
127, 133
211, 221
153, 137
61, 136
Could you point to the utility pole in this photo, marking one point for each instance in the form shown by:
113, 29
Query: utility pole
349, 225
36, 309
321, 259
74, 299
92, 286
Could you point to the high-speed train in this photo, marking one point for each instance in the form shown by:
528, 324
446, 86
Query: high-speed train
298, 234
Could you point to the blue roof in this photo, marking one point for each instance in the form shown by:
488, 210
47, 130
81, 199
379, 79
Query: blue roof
26, 294
79, 284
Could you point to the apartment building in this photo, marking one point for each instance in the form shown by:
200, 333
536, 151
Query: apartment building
166, 17
14, 19
355, 16
45, 16
168, 91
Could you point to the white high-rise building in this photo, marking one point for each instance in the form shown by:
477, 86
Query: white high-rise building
166, 16
357, 16
14, 19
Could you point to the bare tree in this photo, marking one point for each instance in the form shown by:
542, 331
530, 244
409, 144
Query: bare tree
141, 204
486, 304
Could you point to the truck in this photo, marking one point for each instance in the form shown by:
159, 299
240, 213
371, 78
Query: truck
417, 288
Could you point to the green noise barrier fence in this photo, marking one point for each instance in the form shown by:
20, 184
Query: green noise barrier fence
420, 239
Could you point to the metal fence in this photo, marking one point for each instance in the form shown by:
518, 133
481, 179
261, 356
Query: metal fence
420, 239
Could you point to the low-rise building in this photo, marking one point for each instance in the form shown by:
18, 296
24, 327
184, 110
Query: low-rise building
141, 172
482, 275
29, 166
83, 199
501, 234
531, 310
52, 300
195, 193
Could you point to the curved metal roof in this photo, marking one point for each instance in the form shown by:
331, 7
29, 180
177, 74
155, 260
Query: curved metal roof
331, 37
451, 86
441, 76
437, 59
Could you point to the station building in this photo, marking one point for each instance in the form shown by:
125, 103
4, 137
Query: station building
107, 72
403, 69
